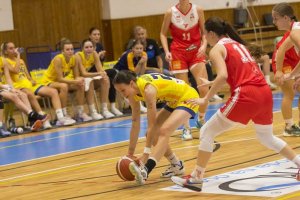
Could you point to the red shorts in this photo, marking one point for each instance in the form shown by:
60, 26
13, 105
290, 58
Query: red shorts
250, 103
183, 60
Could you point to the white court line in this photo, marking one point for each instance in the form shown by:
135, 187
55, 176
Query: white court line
34, 159
83, 163
68, 151
108, 159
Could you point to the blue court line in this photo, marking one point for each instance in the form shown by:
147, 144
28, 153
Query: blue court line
74, 139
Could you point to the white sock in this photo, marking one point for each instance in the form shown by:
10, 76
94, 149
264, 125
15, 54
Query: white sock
104, 107
173, 159
113, 105
92, 108
29, 111
267, 78
59, 113
64, 110
1, 124
41, 113
198, 172
289, 123
80, 109
296, 160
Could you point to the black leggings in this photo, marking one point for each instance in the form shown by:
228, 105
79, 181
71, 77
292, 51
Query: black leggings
111, 73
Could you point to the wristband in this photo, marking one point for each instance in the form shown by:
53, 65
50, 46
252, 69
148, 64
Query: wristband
147, 150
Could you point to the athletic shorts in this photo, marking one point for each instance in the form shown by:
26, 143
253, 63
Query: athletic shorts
183, 60
180, 104
28, 85
250, 103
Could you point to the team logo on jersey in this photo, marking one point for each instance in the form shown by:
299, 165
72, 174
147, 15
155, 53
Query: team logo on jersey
176, 64
192, 16
185, 25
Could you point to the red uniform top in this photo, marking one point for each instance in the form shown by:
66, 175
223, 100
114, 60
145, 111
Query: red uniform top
290, 57
185, 29
241, 67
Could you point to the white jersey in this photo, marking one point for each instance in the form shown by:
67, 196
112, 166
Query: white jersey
185, 29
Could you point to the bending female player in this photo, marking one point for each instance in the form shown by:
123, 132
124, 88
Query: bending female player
152, 88
284, 60
251, 99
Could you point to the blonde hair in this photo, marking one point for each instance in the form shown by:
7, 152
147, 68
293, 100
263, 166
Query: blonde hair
63, 41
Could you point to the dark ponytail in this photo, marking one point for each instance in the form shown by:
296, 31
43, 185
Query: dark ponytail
124, 77
222, 28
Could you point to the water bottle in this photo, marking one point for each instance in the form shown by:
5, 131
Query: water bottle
20, 50
18, 130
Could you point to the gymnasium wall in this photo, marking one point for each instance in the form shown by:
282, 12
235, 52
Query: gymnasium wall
118, 31
44, 22
41, 22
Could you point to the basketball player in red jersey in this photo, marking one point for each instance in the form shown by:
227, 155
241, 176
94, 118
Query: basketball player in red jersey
187, 52
251, 99
284, 19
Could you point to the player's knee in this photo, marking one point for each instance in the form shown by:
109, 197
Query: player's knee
164, 131
206, 139
264, 134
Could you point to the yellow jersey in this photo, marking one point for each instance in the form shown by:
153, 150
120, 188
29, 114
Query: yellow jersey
89, 62
20, 80
67, 69
170, 90
2, 76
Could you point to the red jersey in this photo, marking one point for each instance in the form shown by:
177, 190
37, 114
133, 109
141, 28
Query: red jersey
185, 29
241, 67
290, 57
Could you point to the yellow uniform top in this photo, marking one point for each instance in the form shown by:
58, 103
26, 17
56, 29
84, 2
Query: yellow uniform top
88, 63
20, 79
131, 60
67, 69
171, 90
2, 77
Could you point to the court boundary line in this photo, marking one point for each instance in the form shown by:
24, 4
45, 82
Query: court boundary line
113, 158
82, 149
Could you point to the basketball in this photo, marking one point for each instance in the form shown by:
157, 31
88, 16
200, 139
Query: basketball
122, 168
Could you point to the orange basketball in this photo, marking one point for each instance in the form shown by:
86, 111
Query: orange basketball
122, 169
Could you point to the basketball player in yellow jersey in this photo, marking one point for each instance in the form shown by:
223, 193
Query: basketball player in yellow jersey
17, 97
152, 88
90, 67
63, 75
18, 77
23, 81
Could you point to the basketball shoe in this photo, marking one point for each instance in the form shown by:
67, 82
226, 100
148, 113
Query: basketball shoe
139, 172
292, 131
186, 134
173, 170
189, 182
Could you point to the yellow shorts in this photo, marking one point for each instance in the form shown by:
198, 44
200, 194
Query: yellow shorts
28, 85
180, 104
